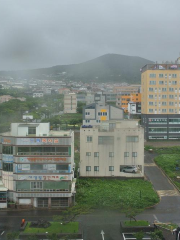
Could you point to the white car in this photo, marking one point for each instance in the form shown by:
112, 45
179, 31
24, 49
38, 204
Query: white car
129, 169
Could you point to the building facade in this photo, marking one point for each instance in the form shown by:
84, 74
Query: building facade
38, 165
106, 149
94, 114
123, 99
160, 106
70, 103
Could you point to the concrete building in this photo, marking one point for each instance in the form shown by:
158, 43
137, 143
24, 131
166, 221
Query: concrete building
124, 89
106, 149
38, 94
134, 107
94, 114
123, 99
38, 165
161, 101
70, 103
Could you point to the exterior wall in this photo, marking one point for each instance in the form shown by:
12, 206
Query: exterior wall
131, 89
123, 99
70, 103
21, 129
118, 148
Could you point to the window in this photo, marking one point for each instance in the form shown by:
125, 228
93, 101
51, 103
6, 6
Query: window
134, 154
96, 154
111, 154
174, 76
89, 138
99, 113
96, 168
171, 96
31, 130
171, 110
163, 103
111, 168
152, 82
164, 89
174, 120
126, 154
163, 110
150, 110
171, 103
161, 75
87, 121
105, 140
151, 103
151, 89
7, 149
88, 168
151, 96
164, 96
171, 89
158, 130
104, 113
152, 75
7, 167
36, 185
87, 113
132, 139
161, 82
88, 153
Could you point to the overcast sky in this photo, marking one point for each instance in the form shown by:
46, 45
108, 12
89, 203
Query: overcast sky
43, 33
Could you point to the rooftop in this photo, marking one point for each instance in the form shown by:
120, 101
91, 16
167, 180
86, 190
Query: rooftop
172, 66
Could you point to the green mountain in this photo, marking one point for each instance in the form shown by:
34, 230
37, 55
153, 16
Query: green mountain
106, 68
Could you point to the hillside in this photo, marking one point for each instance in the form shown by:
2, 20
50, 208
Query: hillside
106, 68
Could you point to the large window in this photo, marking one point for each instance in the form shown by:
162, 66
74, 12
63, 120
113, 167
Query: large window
7, 167
151, 96
134, 154
157, 120
89, 138
88, 154
161, 82
152, 82
88, 168
158, 130
164, 89
7, 150
132, 139
150, 89
36, 185
126, 154
105, 140
161, 75
174, 130
31, 130
96, 168
152, 75
174, 120
111, 168
43, 151
96, 154
111, 154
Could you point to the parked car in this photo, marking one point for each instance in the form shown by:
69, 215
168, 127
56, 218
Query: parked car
129, 169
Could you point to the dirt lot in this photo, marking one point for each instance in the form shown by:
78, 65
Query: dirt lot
162, 144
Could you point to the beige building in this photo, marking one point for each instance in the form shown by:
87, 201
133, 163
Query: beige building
70, 103
106, 149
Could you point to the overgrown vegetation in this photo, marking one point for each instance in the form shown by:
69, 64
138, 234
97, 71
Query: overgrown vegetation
136, 223
115, 194
164, 150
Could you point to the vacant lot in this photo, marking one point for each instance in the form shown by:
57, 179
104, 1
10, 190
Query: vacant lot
115, 194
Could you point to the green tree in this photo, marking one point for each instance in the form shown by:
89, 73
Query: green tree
139, 235
157, 235
80, 106
132, 212
12, 235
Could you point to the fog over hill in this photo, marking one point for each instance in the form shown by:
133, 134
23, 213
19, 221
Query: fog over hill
106, 68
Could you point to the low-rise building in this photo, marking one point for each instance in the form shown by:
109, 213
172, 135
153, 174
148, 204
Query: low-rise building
70, 103
38, 165
107, 149
94, 114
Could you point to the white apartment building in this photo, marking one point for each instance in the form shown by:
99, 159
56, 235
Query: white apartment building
70, 103
37, 165
95, 114
106, 149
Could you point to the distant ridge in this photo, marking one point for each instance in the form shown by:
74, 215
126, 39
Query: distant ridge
106, 68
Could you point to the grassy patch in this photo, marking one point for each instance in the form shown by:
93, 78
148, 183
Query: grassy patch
136, 223
56, 227
164, 150
115, 194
